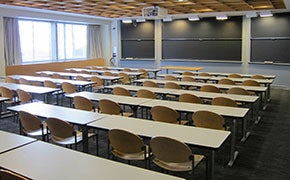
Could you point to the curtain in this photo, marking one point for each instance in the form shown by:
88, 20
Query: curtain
94, 45
12, 48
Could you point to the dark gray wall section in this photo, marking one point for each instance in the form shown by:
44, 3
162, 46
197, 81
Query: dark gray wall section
138, 49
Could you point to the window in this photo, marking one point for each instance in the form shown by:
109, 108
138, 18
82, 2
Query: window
50, 41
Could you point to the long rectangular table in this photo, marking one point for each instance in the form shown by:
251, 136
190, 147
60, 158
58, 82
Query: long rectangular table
187, 68
40, 160
201, 137
74, 116
31, 89
11, 141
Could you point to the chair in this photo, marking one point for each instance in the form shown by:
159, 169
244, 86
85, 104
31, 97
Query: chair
127, 70
48, 83
7, 93
99, 84
210, 88
173, 155
32, 125
188, 78
81, 78
84, 72
190, 98
258, 77
187, 73
108, 73
208, 119
9, 175
226, 81
144, 93
250, 82
145, 74
238, 90
73, 71
63, 133
127, 146
23, 96
57, 76
42, 74
107, 106
11, 80
105, 68
223, 101
68, 88
204, 74
172, 85
166, 114
121, 91
234, 75
170, 78
83, 103
149, 83
24, 81
126, 78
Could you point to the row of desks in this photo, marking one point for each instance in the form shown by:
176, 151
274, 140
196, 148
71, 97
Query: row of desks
200, 137
39, 160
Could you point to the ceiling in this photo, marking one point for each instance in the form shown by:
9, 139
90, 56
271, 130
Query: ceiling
133, 8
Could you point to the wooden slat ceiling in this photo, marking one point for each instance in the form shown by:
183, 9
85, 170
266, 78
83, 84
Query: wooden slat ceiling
132, 8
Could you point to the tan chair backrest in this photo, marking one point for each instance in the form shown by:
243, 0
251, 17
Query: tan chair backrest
57, 76
210, 88
8, 175
23, 96
29, 122
81, 78
105, 68
83, 103
59, 129
85, 72
108, 73
127, 70
172, 85
204, 74
11, 80
145, 75
170, 150
150, 84
238, 90
48, 83
125, 142
68, 87
107, 106
73, 71
188, 79
42, 74
126, 78
121, 91
6, 92
190, 98
170, 78
144, 93
164, 114
187, 73
207, 119
98, 81
234, 75
257, 76
24, 81
226, 81
223, 101
250, 82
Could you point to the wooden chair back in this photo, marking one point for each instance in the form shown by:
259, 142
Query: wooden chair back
169, 77
223, 101
164, 114
204, 74
11, 80
121, 91
83, 103
190, 98
150, 84
257, 76
98, 81
24, 81
210, 88
145, 74
172, 85
188, 79
127, 70
108, 73
234, 75
107, 106
187, 73
29, 122
238, 90
59, 129
68, 88
208, 119
23, 96
48, 83
144, 93
226, 81
250, 82
81, 78
126, 78
7, 93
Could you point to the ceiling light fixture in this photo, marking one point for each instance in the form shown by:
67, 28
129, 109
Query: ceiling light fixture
127, 21
222, 17
266, 14
251, 14
141, 20
167, 19
193, 18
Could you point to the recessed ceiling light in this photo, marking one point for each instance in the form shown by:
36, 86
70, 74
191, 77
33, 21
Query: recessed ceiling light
266, 14
167, 19
141, 20
222, 17
127, 21
193, 18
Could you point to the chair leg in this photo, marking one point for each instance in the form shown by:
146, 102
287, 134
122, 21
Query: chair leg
97, 143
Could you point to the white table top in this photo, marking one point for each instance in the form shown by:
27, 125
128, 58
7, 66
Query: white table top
180, 76
239, 80
199, 84
127, 100
122, 68
29, 88
71, 115
11, 141
40, 160
2, 99
191, 135
234, 112
136, 88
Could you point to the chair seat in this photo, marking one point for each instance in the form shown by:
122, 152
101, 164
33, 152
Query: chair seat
38, 132
71, 140
187, 166
133, 156
127, 114
182, 122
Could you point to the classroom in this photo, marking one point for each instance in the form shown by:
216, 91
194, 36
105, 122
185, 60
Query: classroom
177, 89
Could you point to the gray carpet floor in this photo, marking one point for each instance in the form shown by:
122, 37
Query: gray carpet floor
265, 154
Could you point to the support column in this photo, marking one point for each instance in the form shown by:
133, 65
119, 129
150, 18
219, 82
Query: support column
158, 42
246, 44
